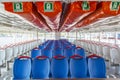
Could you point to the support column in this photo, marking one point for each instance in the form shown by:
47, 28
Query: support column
87, 37
44, 36
84, 36
76, 38
115, 42
76, 35
80, 35
99, 36
107, 36
51, 35
90, 36
57, 35
37, 38
68, 36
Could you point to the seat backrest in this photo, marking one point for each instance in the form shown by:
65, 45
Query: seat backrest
97, 67
20, 48
22, 68
40, 67
99, 50
41, 46
78, 67
59, 67
115, 55
68, 52
9, 53
106, 52
35, 52
80, 51
15, 50
2, 56
46, 52
57, 51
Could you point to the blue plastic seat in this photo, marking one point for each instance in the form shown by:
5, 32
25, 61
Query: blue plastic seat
78, 67
96, 66
80, 51
41, 68
22, 68
41, 46
35, 52
57, 51
59, 67
73, 46
47, 52
68, 52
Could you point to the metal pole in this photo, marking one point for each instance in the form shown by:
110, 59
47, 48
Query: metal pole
37, 38
80, 35
68, 36
115, 42
76, 36
84, 36
90, 36
45, 36
51, 35
59, 35
87, 36
106, 36
99, 36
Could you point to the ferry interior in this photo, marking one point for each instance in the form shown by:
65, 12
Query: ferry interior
59, 39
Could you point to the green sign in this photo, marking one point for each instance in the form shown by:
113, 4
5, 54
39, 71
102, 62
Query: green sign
18, 7
85, 5
114, 5
48, 6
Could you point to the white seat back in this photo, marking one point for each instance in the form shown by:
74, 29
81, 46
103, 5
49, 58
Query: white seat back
2, 56
106, 52
89, 47
20, 49
99, 50
15, 51
115, 55
93, 48
9, 53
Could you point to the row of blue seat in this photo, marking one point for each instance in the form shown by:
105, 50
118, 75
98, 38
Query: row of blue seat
56, 43
57, 47
59, 67
67, 52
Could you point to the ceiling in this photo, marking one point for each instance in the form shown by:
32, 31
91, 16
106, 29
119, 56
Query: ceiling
107, 24
11, 22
